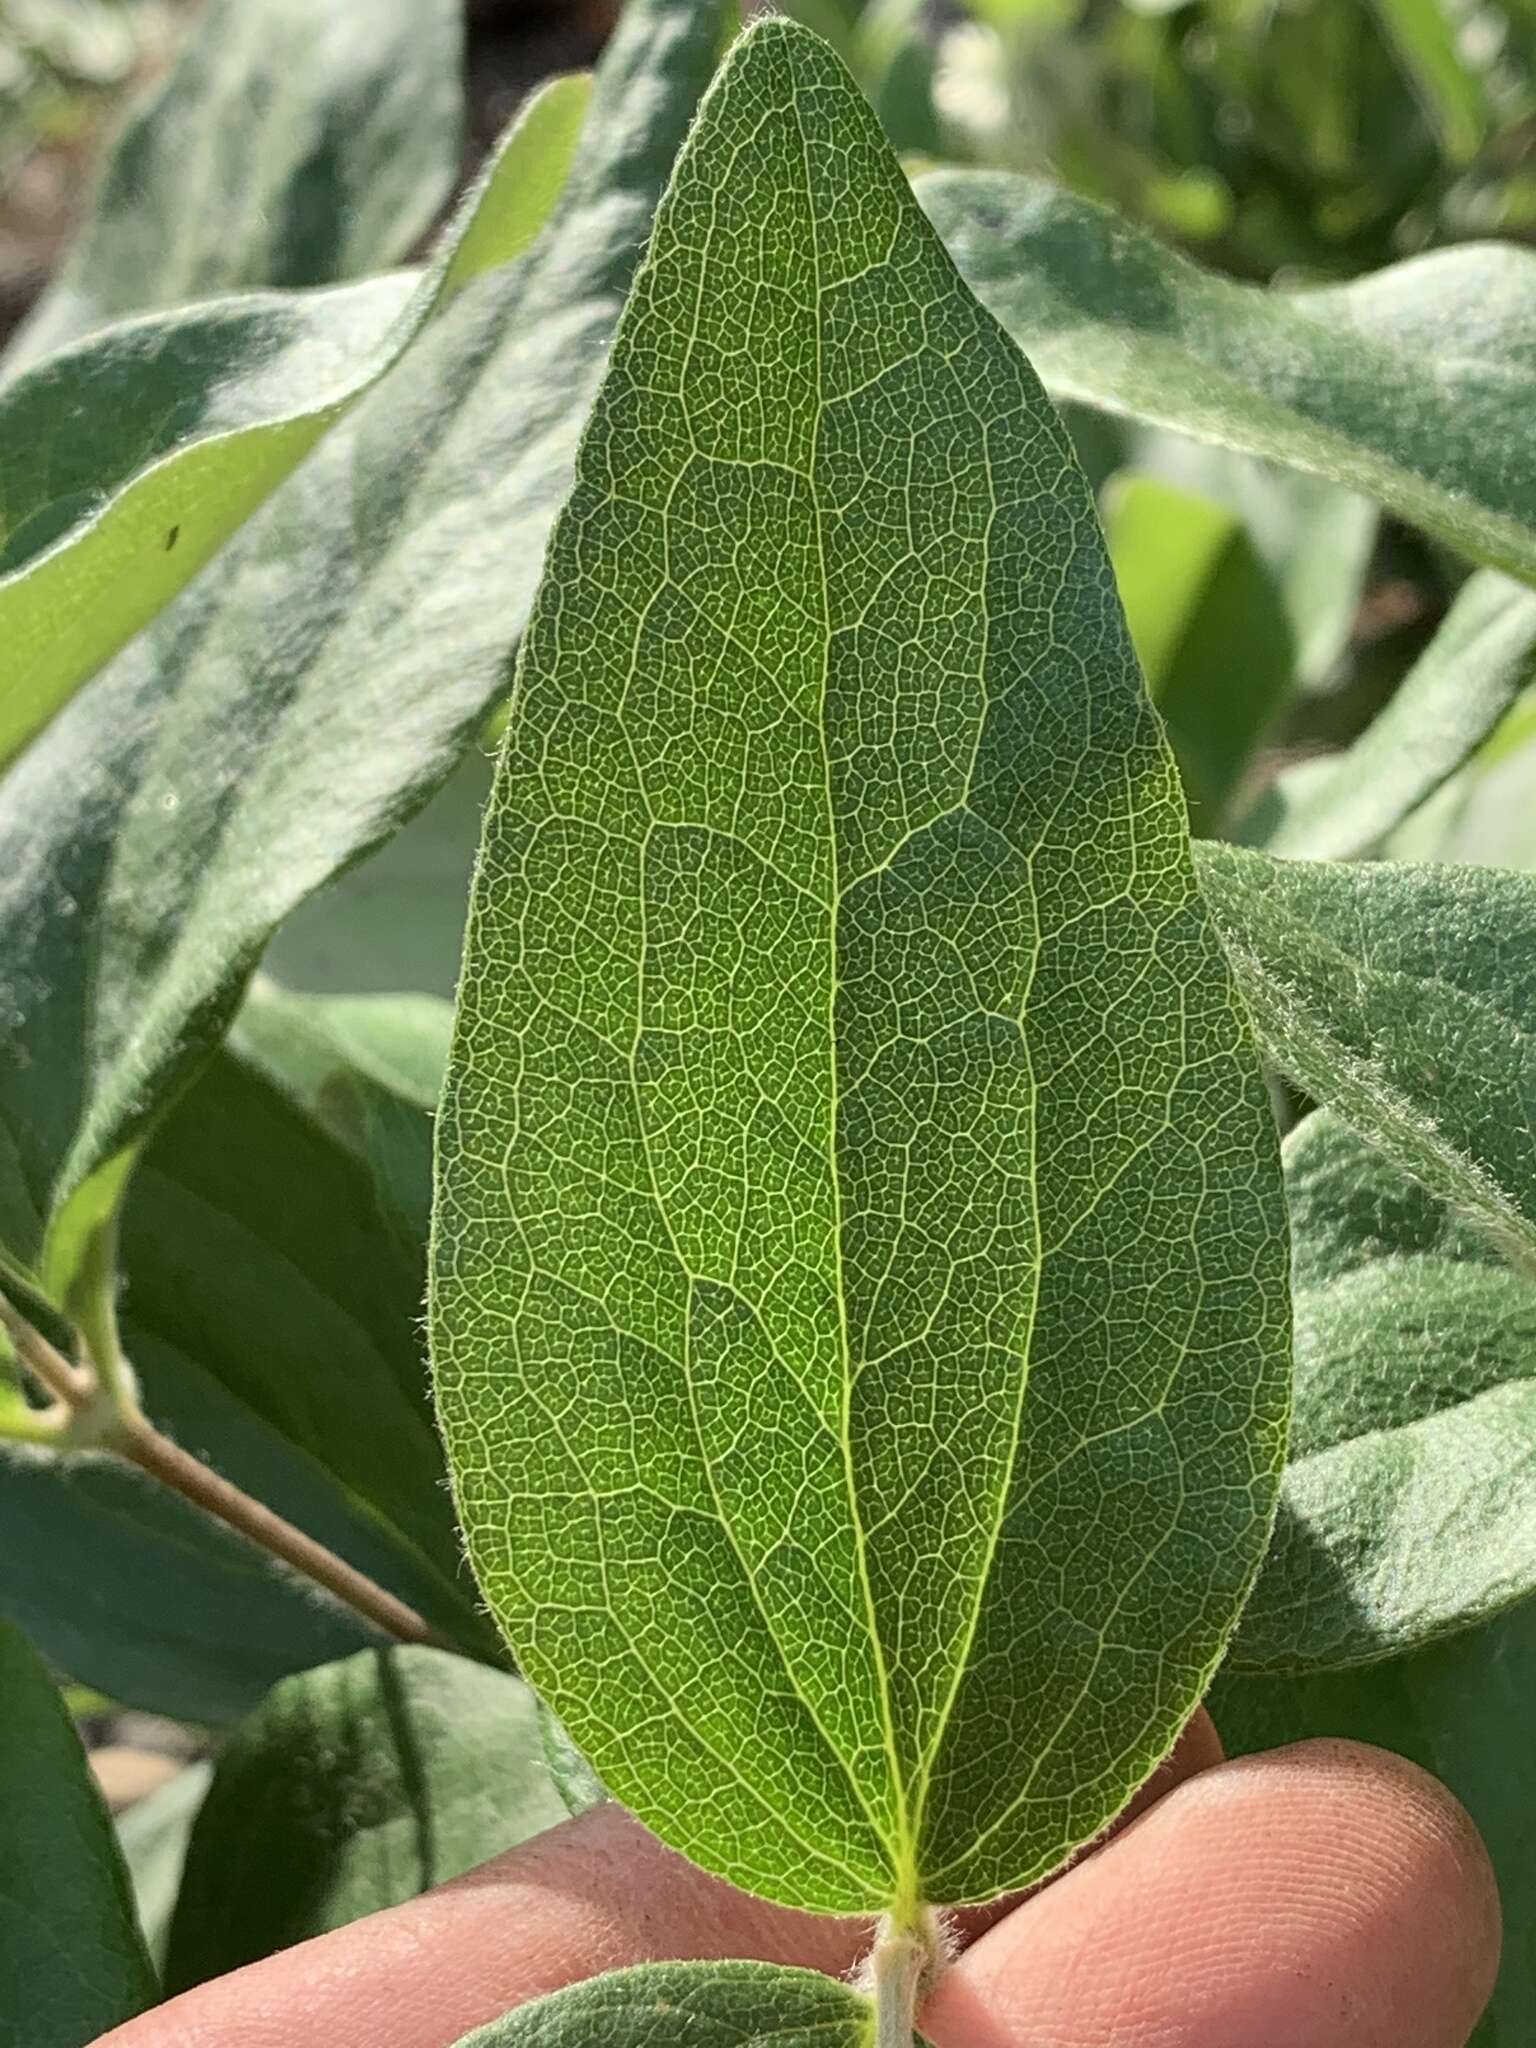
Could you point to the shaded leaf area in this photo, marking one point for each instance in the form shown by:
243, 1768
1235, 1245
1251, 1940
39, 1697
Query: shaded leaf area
1460, 1708
128, 460
1400, 996
691, 2005
72, 1964
819, 1076
1209, 627
1445, 708
272, 1309
353, 1788
152, 1835
289, 145
219, 771
1408, 1509
1408, 385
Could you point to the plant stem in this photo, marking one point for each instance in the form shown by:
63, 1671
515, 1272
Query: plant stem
898, 1966
98, 1409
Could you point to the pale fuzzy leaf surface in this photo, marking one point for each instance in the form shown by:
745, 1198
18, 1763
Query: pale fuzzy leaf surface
1209, 628
1461, 1709
691, 2005
1410, 385
353, 1788
290, 144
1448, 704
859, 1304
265, 1205
127, 461
1408, 1509
289, 712
72, 1963
1401, 997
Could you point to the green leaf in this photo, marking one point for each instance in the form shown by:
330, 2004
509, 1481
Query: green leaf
353, 1788
1400, 997
153, 838
72, 1963
1409, 385
1408, 1509
1194, 588
815, 1067
1447, 705
250, 1215
130, 459
289, 145
1426, 34
1461, 1709
152, 1835
691, 2005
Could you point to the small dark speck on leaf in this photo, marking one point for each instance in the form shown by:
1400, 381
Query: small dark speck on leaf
171, 538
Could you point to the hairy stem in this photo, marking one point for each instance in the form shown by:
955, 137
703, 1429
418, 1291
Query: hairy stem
96, 1407
901, 1966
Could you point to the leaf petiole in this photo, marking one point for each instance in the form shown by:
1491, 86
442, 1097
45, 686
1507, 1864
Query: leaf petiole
902, 1967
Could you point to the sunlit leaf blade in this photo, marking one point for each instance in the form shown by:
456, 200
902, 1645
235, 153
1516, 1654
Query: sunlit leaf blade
1461, 1709
152, 1835
289, 145
1408, 1509
1401, 997
1209, 629
842, 1045
691, 2005
1447, 705
1408, 386
275, 1209
353, 1788
219, 772
72, 1962
128, 460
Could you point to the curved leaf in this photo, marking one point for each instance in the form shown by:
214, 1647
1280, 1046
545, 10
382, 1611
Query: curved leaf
129, 459
153, 838
858, 1296
353, 1788
288, 145
691, 2005
1408, 1509
72, 1963
1409, 386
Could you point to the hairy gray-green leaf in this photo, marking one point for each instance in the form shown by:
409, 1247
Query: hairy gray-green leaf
353, 1788
1461, 1709
858, 1297
691, 2005
1401, 997
1447, 705
1409, 386
292, 710
248, 1216
1408, 1509
289, 145
127, 461
72, 1963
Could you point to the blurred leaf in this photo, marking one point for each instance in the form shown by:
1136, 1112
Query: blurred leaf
72, 1964
787, 1130
152, 1835
1424, 33
1409, 386
128, 460
1409, 1504
691, 2005
247, 1215
289, 713
1461, 1709
1400, 997
291, 144
1449, 703
353, 1788
1210, 631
